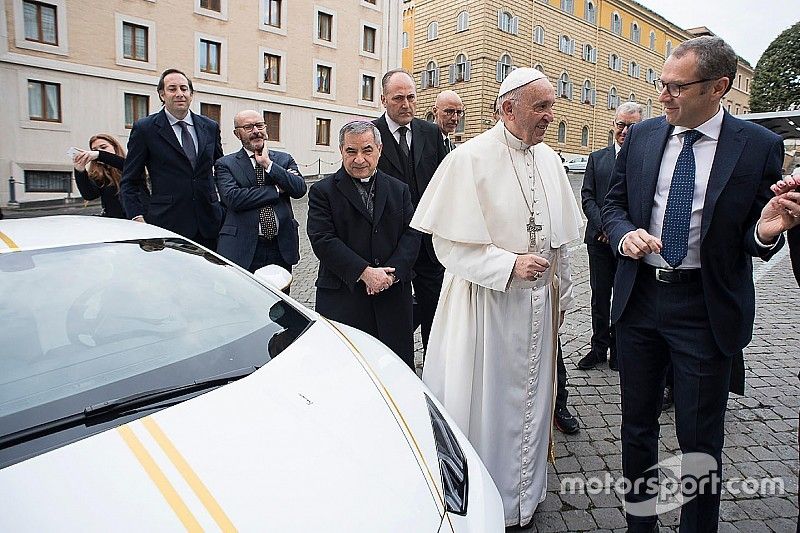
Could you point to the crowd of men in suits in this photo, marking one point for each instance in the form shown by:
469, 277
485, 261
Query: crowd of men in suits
676, 208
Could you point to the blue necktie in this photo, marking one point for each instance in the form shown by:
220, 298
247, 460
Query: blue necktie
675, 232
187, 142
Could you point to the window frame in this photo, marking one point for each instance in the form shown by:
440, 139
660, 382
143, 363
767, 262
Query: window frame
59, 119
61, 28
39, 27
222, 14
270, 137
327, 123
264, 12
317, 63
281, 55
462, 21
319, 11
216, 105
362, 74
134, 117
152, 61
66, 177
222, 75
432, 31
377, 44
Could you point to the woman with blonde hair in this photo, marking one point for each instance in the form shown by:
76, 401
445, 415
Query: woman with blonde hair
98, 171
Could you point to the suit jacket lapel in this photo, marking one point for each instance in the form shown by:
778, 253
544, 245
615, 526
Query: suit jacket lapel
391, 150
167, 133
380, 196
346, 186
246, 165
200, 131
417, 141
650, 168
729, 148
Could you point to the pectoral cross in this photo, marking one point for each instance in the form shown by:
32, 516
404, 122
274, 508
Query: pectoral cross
533, 228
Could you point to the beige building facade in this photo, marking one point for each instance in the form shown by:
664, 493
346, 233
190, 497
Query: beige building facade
72, 69
597, 54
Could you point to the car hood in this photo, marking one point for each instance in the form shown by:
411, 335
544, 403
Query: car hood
308, 442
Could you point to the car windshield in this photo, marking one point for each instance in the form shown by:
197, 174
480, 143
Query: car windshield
90, 323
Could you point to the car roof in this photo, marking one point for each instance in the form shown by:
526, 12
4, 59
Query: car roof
71, 230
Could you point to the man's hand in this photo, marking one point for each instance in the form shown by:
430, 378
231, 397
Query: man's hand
262, 158
138, 218
781, 213
377, 279
530, 267
639, 243
602, 237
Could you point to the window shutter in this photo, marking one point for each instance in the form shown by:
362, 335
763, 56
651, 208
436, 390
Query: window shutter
514, 25
436, 77
593, 55
593, 93
467, 70
569, 90
424, 81
571, 47
499, 72
610, 60
500, 19
452, 73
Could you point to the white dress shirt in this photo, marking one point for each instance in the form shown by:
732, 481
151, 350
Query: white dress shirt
177, 129
394, 126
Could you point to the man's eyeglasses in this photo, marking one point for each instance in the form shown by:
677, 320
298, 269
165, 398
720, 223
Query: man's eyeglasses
622, 125
674, 89
261, 126
451, 112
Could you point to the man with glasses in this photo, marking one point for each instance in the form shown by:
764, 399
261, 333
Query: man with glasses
689, 206
447, 113
178, 148
257, 184
602, 263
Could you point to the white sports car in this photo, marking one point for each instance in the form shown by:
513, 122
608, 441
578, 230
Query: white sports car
147, 384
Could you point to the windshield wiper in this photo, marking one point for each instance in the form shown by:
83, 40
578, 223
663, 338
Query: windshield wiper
123, 405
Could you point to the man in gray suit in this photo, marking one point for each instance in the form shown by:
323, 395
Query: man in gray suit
602, 263
256, 185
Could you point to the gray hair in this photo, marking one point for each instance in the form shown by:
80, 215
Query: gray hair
512, 96
629, 108
715, 58
357, 127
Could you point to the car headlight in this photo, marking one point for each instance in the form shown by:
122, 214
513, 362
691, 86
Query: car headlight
452, 462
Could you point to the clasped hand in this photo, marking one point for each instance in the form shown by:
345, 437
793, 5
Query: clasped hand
377, 279
530, 267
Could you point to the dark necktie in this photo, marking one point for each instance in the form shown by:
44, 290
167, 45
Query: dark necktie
187, 142
403, 141
675, 232
266, 215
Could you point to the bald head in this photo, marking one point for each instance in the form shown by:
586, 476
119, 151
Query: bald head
447, 111
253, 139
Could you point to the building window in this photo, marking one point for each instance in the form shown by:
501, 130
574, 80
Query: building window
668, 49
631, 97
273, 122
430, 117
648, 109
613, 99
44, 101
562, 132
213, 5
134, 42
568, 6
738, 110
272, 69
323, 132
652, 40
507, 22
368, 88
40, 22
564, 88
430, 76
566, 45
589, 53
590, 13
614, 62
324, 26
272, 15
324, 79
405, 40
651, 75
503, 67
538, 35
636, 33
588, 95
610, 141
209, 56
136, 106
747, 85
616, 23
585, 136
47, 181
462, 23
633, 70
460, 69
212, 111
539, 67
433, 30
368, 41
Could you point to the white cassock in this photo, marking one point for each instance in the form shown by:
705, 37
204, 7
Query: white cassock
491, 354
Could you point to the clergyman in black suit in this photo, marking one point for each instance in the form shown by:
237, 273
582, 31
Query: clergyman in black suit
256, 185
689, 207
178, 148
358, 226
448, 111
412, 150
602, 263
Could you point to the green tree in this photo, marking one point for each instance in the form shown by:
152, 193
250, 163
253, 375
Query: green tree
776, 81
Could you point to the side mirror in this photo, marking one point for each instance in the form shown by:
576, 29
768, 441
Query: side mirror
275, 276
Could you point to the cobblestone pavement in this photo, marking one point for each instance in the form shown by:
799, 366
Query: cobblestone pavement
761, 432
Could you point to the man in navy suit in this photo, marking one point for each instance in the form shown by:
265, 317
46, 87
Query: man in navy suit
689, 207
358, 226
412, 151
256, 185
178, 148
602, 263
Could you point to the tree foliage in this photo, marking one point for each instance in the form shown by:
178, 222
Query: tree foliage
776, 81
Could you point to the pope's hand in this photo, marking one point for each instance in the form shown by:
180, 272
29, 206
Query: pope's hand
530, 267
639, 243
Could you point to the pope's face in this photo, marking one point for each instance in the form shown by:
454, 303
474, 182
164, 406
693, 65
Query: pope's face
529, 117
360, 154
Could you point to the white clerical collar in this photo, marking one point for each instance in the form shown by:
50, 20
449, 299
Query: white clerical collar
172, 120
511, 140
366, 180
617, 148
710, 128
394, 126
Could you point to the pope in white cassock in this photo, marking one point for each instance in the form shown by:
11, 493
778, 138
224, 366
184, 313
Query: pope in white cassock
501, 212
